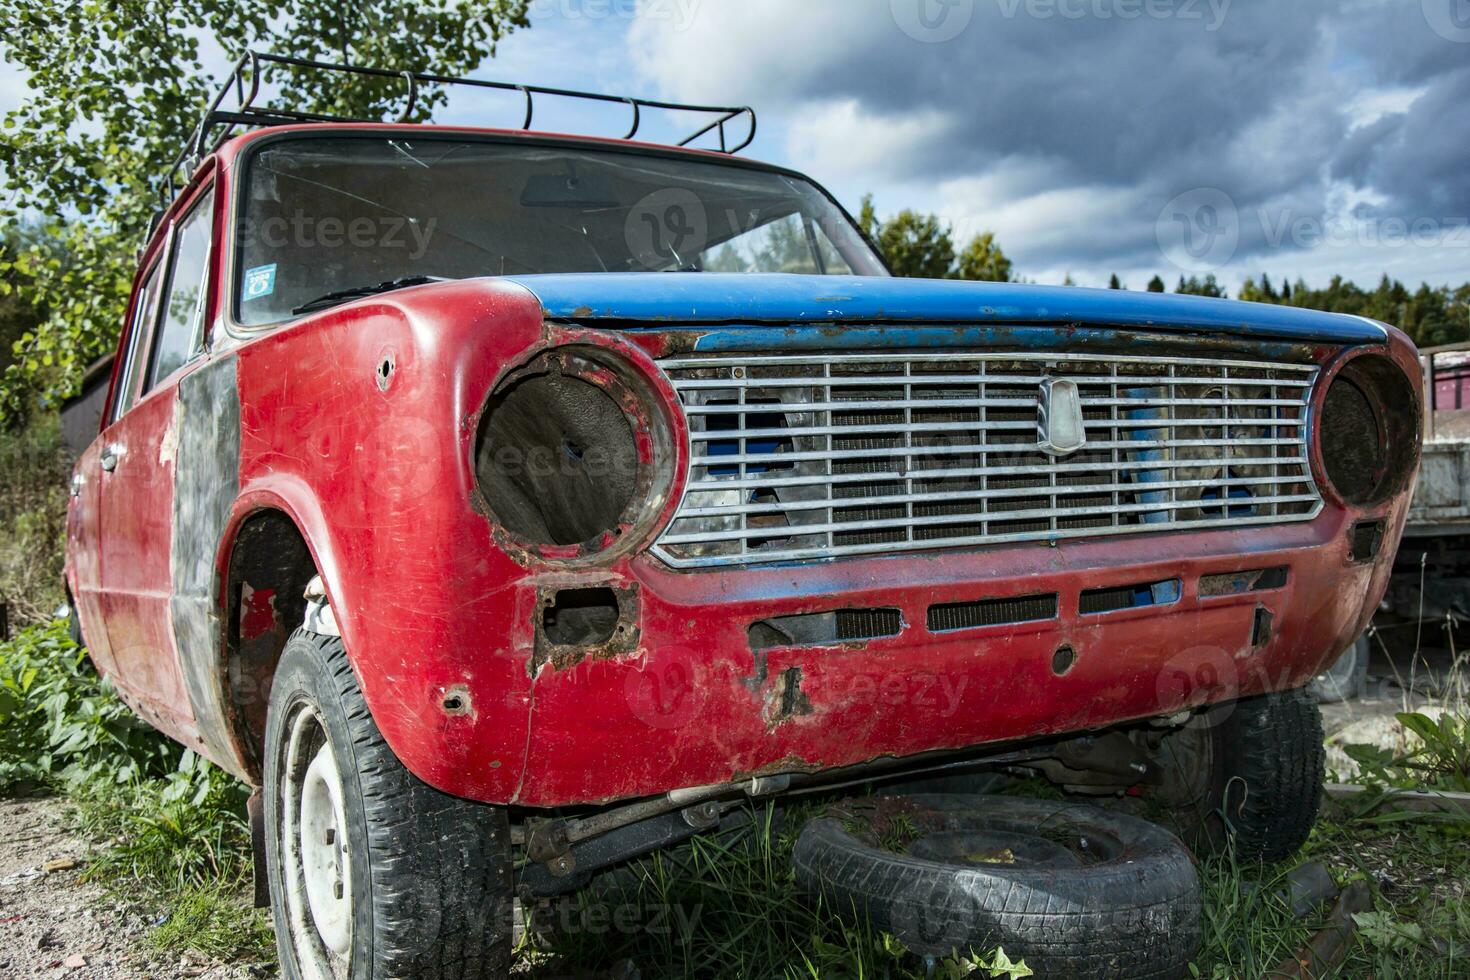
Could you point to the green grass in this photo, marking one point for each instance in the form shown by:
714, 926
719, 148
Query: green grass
178, 849
218, 923
725, 904
168, 828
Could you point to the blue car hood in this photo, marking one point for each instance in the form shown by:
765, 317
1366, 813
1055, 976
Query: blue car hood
673, 300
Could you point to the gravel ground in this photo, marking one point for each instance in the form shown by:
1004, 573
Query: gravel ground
52, 924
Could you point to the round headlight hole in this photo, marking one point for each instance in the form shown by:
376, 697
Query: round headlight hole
563, 456
1368, 430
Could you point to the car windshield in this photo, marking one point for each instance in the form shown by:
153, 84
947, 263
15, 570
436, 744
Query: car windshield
326, 214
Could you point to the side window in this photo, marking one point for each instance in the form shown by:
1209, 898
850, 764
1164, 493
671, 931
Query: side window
181, 331
144, 315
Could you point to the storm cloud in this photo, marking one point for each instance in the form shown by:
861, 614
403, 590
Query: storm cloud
1078, 128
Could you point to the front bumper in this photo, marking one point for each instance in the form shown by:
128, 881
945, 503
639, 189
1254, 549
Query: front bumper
696, 705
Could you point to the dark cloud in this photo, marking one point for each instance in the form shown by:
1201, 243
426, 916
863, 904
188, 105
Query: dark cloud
1417, 158
1135, 102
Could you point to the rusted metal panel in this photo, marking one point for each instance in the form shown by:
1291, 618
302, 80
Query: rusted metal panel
135, 506
206, 482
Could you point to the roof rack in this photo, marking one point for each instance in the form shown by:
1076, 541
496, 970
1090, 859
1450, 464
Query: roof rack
218, 124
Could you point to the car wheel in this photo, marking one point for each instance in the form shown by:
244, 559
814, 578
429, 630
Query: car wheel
1347, 678
1073, 890
1246, 775
373, 873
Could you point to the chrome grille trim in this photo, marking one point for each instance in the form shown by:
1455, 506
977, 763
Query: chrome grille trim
806, 456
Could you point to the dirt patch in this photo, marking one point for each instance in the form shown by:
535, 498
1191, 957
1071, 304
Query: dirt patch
54, 924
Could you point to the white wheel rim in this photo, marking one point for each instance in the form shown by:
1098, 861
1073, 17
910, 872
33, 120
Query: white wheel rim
324, 852
315, 851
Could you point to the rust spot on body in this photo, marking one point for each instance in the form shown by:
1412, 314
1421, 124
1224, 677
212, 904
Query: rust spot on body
784, 699
788, 764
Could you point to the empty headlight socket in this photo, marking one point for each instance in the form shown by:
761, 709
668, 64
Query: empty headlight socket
574, 456
1364, 541
584, 619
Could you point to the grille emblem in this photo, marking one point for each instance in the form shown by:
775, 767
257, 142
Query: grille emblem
1059, 428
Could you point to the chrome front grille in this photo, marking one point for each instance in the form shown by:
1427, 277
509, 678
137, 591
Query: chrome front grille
797, 457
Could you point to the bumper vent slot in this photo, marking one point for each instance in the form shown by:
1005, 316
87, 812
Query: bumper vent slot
991, 612
824, 629
1097, 601
1240, 583
812, 456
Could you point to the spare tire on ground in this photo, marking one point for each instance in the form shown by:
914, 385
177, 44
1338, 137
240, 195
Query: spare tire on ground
1073, 890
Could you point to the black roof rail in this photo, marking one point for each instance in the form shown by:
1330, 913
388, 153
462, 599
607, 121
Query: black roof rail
218, 123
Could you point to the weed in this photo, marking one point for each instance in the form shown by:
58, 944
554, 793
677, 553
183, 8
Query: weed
725, 904
187, 830
216, 922
62, 726
165, 821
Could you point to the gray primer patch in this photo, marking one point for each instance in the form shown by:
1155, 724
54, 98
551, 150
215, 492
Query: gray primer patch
206, 483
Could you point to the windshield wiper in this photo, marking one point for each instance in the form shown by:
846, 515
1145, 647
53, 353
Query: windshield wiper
355, 292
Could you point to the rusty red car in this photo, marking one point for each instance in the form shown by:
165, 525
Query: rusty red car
505, 504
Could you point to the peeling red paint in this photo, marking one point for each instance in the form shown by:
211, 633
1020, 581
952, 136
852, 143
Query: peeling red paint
258, 615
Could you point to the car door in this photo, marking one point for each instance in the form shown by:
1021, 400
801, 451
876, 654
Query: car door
84, 524
136, 461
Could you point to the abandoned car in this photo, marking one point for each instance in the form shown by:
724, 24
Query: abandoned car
505, 505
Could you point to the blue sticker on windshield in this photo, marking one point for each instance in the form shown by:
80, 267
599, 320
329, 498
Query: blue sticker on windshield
260, 281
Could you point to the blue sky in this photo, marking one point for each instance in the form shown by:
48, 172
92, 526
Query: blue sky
1301, 138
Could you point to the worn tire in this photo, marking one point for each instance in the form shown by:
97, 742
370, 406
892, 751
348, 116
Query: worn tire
1347, 678
430, 874
1135, 913
1246, 776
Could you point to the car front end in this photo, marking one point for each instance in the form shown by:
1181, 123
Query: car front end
898, 538
706, 497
